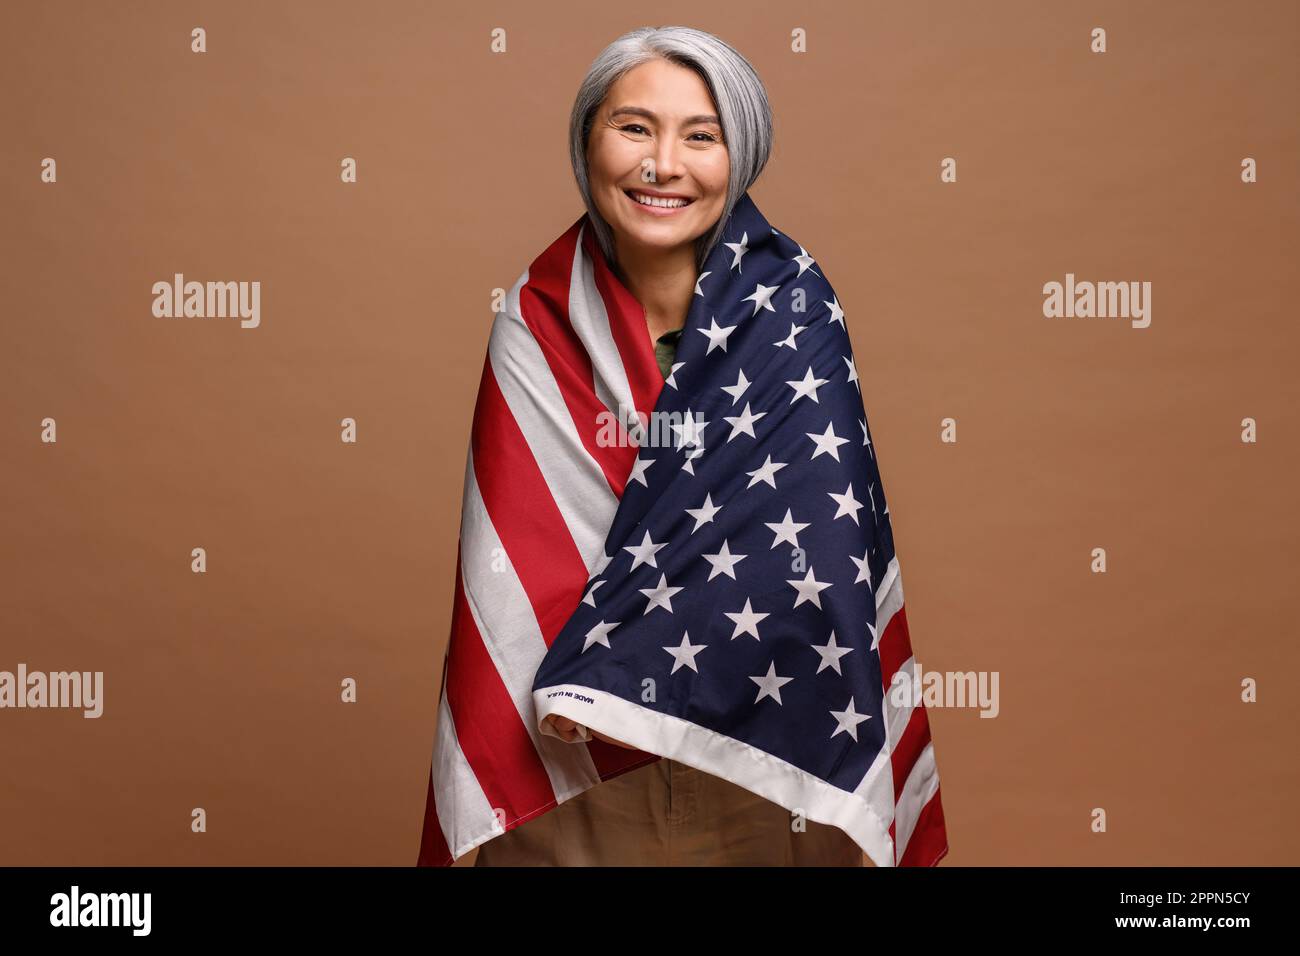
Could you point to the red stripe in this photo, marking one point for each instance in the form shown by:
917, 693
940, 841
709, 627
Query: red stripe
929, 841
523, 512
895, 649
492, 735
627, 322
544, 305
907, 751
895, 646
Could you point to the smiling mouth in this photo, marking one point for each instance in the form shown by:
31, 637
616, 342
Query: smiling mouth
651, 201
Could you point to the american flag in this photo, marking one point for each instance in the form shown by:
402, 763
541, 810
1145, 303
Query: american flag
716, 585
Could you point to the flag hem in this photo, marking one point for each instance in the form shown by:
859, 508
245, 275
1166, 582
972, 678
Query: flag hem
712, 752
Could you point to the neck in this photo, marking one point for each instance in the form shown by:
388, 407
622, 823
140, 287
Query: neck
663, 281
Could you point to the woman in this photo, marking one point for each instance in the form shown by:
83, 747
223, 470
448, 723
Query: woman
670, 128
655, 169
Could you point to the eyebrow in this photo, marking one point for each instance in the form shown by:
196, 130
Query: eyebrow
638, 111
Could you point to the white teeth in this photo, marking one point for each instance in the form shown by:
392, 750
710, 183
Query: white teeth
645, 200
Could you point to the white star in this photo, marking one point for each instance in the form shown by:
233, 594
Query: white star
847, 720
599, 634
853, 372
827, 443
661, 596
684, 653
807, 387
701, 278
761, 297
704, 513
864, 567
743, 424
766, 473
690, 433
738, 249
789, 339
848, 505
724, 562
591, 594
808, 589
769, 685
644, 553
786, 530
830, 654
805, 261
837, 314
737, 390
746, 621
638, 470
717, 335
875, 638
670, 381
865, 440
688, 465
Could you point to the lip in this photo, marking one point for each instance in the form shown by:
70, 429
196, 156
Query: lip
660, 211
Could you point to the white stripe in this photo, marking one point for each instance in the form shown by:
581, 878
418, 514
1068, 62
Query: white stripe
906, 684
922, 784
889, 598
889, 595
590, 320
575, 479
511, 636
464, 813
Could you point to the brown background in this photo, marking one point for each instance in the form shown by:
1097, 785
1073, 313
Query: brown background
328, 560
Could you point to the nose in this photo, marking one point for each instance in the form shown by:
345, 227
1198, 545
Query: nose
668, 162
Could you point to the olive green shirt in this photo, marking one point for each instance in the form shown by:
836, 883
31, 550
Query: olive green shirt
666, 350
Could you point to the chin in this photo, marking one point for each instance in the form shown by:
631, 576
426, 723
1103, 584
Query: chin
661, 239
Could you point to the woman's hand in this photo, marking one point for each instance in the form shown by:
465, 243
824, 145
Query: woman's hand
568, 731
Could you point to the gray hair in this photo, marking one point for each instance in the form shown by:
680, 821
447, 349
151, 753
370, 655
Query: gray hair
743, 111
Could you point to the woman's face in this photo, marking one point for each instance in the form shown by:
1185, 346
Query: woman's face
657, 135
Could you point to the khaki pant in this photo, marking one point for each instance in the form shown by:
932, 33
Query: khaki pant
669, 814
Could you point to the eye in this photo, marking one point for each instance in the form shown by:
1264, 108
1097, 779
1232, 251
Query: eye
708, 137
633, 126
